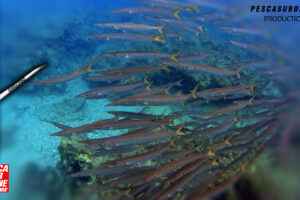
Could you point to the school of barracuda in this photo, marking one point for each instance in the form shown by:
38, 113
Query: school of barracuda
188, 153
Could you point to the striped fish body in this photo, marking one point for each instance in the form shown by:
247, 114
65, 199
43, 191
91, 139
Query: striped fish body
202, 68
110, 90
131, 70
156, 100
128, 123
139, 158
131, 139
123, 36
108, 77
130, 26
139, 54
142, 10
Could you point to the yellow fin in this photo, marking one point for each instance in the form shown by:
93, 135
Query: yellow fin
176, 13
146, 80
178, 131
227, 140
89, 68
198, 149
174, 57
180, 37
165, 67
251, 88
159, 38
210, 153
214, 163
193, 92
148, 87
160, 28
238, 72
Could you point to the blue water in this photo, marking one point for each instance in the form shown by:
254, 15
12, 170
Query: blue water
35, 31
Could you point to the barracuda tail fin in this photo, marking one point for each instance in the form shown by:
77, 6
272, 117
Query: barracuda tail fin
165, 67
201, 27
174, 57
193, 92
178, 83
227, 140
176, 13
238, 72
251, 100
160, 38
146, 80
251, 89
160, 28
148, 87
89, 68
180, 37
178, 131
197, 33
192, 9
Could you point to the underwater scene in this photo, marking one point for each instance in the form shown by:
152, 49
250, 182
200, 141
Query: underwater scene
154, 99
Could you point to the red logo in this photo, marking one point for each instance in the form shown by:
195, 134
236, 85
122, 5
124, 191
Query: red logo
4, 177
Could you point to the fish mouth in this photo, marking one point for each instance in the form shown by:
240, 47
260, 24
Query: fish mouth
80, 96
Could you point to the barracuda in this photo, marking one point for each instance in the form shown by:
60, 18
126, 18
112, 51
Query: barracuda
142, 54
205, 68
133, 26
129, 37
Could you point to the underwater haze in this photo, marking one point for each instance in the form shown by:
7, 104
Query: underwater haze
150, 99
